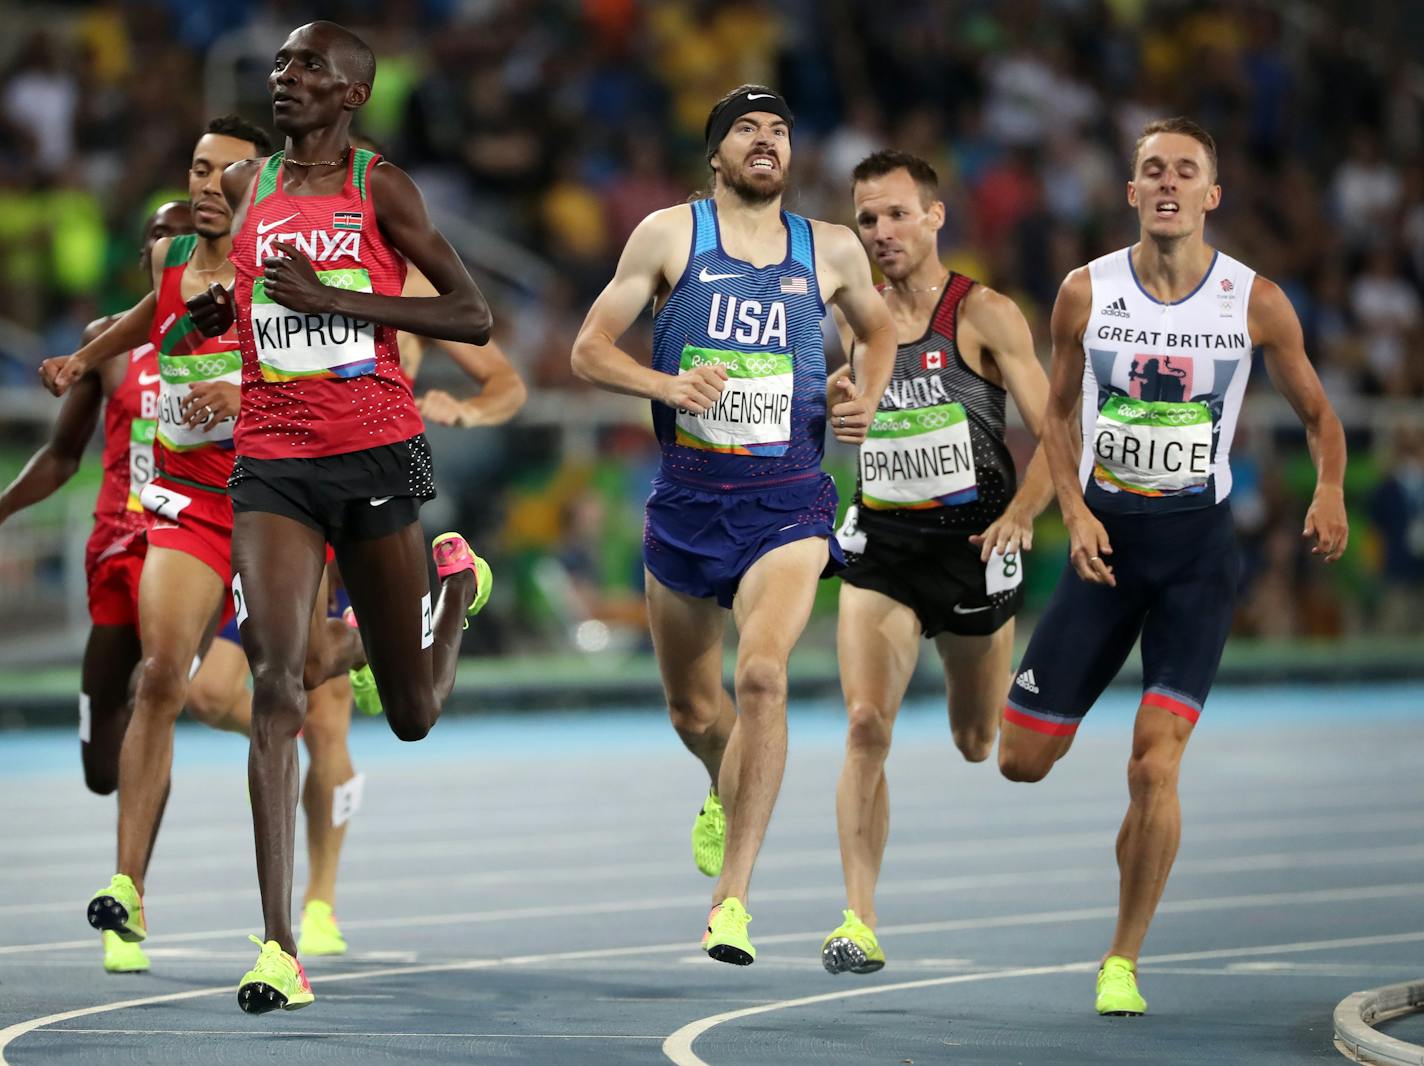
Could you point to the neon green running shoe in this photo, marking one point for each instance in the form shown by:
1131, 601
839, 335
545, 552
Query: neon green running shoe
452, 554
117, 907
709, 835
320, 934
852, 947
1117, 989
277, 980
726, 936
122, 957
364, 692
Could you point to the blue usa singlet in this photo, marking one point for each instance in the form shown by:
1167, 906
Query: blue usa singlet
764, 325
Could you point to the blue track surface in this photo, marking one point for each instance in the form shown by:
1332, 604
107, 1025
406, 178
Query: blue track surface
519, 889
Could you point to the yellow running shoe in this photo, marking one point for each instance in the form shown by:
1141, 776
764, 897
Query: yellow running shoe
726, 936
122, 957
709, 835
320, 934
117, 906
1117, 989
852, 947
277, 980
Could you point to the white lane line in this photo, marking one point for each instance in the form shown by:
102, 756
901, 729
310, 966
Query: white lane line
344, 1033
378, 844
1046, 877
19, 1029
678, 1046
829, 856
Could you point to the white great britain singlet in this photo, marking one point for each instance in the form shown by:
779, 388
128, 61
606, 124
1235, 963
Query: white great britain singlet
1162, 388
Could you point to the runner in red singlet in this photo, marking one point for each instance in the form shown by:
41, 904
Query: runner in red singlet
127, 389
187, 571
329, 442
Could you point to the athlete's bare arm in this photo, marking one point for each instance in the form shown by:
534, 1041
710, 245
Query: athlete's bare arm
999, 327
502, 391
1274, 326
127, 333
1061, 440
655, 256
60, 456
458, 313
852, 292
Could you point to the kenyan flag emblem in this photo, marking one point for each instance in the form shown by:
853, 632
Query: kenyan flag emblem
347, 220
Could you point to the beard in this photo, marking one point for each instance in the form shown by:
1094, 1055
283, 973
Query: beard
750, 192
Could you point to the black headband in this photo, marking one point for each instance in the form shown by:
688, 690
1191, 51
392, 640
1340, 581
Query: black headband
745, 102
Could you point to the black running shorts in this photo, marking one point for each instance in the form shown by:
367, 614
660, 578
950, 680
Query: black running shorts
939, 577
1177, 576
353, 496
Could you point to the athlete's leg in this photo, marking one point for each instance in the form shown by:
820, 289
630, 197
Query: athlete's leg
877, 644
328, 723
218, 695
771, 609
333, 647
413, 651
1079, 645
110, 655
978, 671
177, 597
687, 639
1147, 841
279, 562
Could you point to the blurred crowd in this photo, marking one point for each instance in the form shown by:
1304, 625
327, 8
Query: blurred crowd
558, 124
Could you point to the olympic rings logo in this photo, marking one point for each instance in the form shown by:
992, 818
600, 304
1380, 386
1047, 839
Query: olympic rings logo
761, 365
934, 419
346, 279
1179, 417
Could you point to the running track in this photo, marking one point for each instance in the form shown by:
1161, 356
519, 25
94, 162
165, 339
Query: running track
519, 889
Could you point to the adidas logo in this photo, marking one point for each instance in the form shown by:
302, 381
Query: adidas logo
1027, 683
1117, 309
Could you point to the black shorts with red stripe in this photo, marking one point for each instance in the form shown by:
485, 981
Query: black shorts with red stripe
1177, 576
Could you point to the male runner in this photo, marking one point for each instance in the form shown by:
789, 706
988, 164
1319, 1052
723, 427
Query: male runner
936, 533
127, 390
187, 569
329, 442
1155, 340
740, 515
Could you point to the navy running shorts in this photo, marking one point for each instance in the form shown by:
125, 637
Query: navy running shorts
1177, 576
702, 542
937, 575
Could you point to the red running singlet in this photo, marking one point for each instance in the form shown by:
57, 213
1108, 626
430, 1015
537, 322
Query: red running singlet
318, 384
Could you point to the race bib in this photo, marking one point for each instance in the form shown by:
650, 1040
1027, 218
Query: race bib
163, 501
178, 373
1003, 572
918, 459
850, 536
291, 344
753, 414
141, 434
1152, 447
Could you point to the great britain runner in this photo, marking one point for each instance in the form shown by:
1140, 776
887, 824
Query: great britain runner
1154, 344
741, 514
330, 445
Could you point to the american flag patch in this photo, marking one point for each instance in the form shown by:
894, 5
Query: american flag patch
931, 360
1226, 285
348, 220
793, 286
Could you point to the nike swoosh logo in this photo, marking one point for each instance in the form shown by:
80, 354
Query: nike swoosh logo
149, 379
972, 610
705, 277
384, 499
760, 96
263, 227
